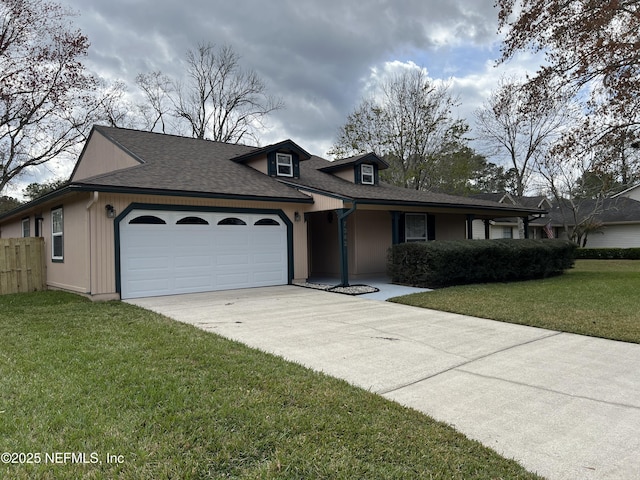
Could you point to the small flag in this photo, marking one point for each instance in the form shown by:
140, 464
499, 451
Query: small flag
548, 230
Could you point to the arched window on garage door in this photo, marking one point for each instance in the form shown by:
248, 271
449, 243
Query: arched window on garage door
147, 220
192, 221
232, 221
267, 222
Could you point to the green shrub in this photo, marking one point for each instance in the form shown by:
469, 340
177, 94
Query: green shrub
445, 263
608, 253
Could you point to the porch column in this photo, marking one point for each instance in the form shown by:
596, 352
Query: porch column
395, 227
343, 244
525, 221
470, 218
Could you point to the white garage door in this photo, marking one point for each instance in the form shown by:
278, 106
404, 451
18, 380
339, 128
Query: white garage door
167, 252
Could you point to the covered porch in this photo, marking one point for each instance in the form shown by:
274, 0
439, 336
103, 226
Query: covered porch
350, 244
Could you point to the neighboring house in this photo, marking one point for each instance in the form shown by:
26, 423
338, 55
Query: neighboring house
149, 214
632, 193
508, 227
616, 220
616, 223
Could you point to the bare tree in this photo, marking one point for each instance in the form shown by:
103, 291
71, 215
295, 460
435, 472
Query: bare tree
158, 90
113, 107
409, 124
591, 48
217, 100
517, 132
578, 211
47, 102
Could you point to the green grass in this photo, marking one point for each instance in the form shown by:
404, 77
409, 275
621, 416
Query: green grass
599, 298
177, 402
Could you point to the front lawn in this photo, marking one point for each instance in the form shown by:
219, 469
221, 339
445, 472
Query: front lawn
109, 390
600, 298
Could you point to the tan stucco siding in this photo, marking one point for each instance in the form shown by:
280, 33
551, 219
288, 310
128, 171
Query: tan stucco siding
72, 273
372, 237
347, 174
322, 202
323, 243
451, 227
11, 230
101, 156
260, 164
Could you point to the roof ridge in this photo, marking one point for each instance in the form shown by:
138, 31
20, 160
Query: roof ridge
102, 128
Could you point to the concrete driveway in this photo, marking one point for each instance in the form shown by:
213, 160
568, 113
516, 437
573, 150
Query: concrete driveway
565, 406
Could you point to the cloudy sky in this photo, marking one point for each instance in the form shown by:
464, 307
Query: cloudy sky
317, 55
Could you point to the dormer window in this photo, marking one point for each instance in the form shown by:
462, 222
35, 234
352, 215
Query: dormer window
284, 165
367, 176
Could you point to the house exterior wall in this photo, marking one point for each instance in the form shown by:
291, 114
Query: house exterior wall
101, 156
451, 227
633, 193
103, 237
323, 244
13, 229
498, 230
259, 164
346, 174
322, 202
89, 264
71, 273
371, 232
616, 236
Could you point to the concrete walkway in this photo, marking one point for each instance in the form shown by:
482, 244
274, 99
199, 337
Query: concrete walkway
565, 406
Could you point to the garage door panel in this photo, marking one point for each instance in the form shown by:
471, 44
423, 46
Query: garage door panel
267, 258
193, 261
233, 260
148, 264
203, 282
181, 258
141, 287
232, 280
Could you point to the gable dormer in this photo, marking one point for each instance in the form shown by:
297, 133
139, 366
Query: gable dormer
281, 160
361, 169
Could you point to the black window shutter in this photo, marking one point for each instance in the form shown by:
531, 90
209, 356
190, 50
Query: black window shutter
431, 227
296, 165
271, 164
357, 174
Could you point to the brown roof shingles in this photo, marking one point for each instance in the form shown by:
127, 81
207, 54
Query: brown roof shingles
180, 164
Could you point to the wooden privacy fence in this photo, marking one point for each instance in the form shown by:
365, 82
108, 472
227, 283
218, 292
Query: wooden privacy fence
22, 265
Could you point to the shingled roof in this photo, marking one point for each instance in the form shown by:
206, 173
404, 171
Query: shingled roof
617, 210
180, 164
313, 176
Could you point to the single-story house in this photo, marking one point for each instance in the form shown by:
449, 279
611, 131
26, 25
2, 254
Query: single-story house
615, 223
508, 227
148, 214
615, 220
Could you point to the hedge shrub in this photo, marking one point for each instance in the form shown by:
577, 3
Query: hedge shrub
609, 253
445, 263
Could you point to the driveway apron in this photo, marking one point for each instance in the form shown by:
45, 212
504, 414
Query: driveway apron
565, 406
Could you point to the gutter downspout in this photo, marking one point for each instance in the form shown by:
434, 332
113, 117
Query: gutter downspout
343, 243
91, 203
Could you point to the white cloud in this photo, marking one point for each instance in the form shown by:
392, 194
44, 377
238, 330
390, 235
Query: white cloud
320, 57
